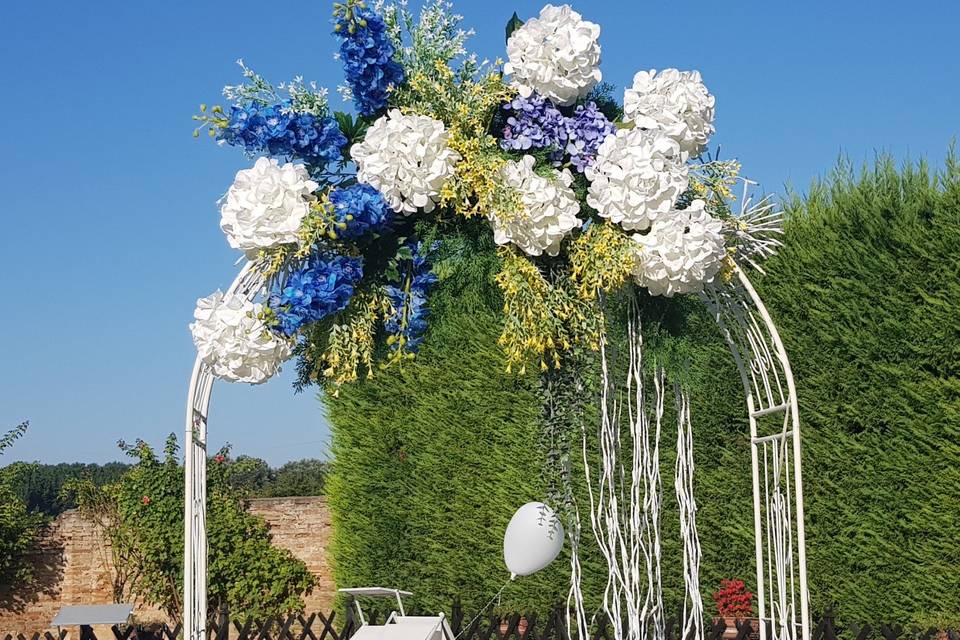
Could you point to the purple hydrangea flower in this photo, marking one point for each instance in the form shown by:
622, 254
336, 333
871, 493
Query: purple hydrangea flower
585, 131
534, 123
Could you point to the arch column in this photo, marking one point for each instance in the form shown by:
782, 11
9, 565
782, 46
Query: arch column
248, 283
774, 418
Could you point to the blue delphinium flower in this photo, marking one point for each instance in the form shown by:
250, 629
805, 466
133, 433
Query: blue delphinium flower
585, 131
534, 123
409, 300
322, 285
361, 209
367, 55
280, 131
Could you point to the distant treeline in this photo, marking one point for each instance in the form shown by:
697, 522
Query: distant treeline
40, 486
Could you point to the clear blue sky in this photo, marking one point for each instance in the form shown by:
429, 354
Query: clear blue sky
110, 228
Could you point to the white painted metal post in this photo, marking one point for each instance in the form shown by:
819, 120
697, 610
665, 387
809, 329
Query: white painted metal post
769, 390
247, 283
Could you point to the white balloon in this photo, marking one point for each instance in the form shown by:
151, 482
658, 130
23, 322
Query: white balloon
533, 539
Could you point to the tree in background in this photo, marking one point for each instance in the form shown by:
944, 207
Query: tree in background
18, 527
142, 515
297, 478
40, 486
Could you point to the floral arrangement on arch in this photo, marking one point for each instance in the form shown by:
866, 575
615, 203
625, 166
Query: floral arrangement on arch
343, 214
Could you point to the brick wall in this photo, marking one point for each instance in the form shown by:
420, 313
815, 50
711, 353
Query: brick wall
72, 564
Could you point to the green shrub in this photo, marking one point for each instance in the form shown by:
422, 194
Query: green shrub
18, 526
142, 514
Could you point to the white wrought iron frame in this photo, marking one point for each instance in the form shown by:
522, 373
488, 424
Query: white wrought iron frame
775, 458
248, 283
774, 416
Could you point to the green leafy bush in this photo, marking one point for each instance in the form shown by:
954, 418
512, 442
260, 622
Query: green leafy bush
142, 514
18, 526
867, 297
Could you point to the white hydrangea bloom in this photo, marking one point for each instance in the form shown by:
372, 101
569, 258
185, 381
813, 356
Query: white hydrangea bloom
265, 205
407, 159
681, 252
234, 342
676, 102
557, 55
636, 178
550, 209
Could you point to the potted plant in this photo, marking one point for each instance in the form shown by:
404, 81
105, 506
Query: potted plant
734, 603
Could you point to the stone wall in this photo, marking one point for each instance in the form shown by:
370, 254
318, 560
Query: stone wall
72, 564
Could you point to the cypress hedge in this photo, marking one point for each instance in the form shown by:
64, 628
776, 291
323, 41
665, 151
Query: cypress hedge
866, 294
432, 459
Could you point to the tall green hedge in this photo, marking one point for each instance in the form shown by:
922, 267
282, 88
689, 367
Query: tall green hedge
867, 297
431, 460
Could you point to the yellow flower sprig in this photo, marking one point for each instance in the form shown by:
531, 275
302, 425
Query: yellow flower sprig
320, 224
713, 182
542, 319
602, 259
351, 344
214, 121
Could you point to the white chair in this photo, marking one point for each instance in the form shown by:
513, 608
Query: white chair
398, 626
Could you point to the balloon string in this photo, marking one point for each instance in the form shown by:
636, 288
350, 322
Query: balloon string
494, 599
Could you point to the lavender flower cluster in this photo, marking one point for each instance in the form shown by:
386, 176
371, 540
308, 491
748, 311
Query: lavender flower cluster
536, 123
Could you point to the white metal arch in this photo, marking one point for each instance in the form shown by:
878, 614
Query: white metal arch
775, 455
771, 398
248, 283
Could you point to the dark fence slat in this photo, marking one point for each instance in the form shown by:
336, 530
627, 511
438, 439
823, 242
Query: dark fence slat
305, 627
513, 626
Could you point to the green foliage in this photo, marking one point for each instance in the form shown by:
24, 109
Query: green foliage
432, 457
513, 24
866, 294
441, 490
18, 527
297, 478
40, 486
142, 514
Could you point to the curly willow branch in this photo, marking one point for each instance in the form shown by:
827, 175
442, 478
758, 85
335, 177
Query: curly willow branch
625, 507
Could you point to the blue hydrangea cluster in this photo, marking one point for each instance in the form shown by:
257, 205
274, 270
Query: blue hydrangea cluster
367, 56
585, 131
534, 123
409, 318
322, 285
360, 209
279, 131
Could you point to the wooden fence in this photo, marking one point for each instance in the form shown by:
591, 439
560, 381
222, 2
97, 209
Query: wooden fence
553, 626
